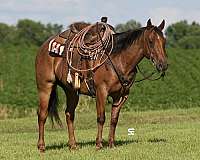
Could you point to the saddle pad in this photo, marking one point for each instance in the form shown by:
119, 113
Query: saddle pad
56, 48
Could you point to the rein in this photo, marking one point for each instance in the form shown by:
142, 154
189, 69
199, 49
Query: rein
148, 77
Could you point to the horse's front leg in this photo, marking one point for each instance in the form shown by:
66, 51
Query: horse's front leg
101, 95
72, 101
116, 107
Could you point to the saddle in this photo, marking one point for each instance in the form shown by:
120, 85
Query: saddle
88, 50
86, 47
60, 42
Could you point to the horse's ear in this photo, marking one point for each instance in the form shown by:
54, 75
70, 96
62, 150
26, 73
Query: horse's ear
149, 24
162, 25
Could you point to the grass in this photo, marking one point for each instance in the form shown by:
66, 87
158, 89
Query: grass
170, 134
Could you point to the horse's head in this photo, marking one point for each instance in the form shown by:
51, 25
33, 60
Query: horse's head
154, 41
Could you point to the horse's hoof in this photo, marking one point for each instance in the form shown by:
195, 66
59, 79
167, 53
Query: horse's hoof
99, 146
111, 145
41, 148
73, 147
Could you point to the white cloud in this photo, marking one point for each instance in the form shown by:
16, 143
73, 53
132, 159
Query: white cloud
65, 11
118, 11
46, 11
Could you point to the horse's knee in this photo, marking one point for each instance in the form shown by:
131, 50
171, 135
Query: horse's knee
101, 119
42, 115
114, 121
69, 116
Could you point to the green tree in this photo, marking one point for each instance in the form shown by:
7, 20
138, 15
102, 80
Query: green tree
189, 42
175, 32
131, 24
183, 35
53, 28
5, 32
31, 32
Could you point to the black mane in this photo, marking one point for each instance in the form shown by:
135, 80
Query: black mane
123, 40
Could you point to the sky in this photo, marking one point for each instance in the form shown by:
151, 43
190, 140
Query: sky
66, 12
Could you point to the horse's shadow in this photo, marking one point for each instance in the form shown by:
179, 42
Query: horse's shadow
105, 143
157, 140
90, 143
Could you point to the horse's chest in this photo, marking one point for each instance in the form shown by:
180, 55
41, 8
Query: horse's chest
121, 87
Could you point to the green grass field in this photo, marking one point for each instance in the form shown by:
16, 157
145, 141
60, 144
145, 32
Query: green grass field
164, 135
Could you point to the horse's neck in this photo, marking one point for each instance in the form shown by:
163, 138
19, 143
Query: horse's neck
130, 57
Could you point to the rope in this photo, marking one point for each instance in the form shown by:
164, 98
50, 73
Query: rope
94, 51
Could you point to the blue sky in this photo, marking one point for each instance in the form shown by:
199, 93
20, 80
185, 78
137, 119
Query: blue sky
119, 11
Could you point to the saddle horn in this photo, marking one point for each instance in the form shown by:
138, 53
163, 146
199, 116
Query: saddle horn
104, 19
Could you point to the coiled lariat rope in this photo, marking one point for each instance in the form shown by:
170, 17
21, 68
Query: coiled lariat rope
94, 51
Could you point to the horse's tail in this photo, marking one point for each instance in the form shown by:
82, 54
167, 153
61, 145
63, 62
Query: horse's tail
52, 107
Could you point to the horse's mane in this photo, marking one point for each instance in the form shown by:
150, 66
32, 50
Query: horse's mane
123, 40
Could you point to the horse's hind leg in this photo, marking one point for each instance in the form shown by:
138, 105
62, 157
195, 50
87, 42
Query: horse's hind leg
44, 96
72, 101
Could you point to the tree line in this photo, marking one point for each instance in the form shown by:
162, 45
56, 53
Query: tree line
179, 35
27, 32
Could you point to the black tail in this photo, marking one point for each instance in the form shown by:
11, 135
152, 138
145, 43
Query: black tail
52, 107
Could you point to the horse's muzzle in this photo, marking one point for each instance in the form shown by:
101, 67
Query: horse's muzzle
162, 67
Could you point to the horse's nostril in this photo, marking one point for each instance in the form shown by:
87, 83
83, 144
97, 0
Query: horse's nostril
162, 66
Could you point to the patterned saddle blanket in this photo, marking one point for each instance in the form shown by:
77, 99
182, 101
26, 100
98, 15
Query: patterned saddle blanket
58, 43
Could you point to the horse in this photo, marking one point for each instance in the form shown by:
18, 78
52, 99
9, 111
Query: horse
113, 78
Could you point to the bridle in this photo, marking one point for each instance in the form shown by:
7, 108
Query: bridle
149, 50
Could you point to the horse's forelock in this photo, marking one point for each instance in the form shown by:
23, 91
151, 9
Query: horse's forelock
158, 31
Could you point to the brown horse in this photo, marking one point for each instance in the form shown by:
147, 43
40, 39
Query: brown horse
114, 78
